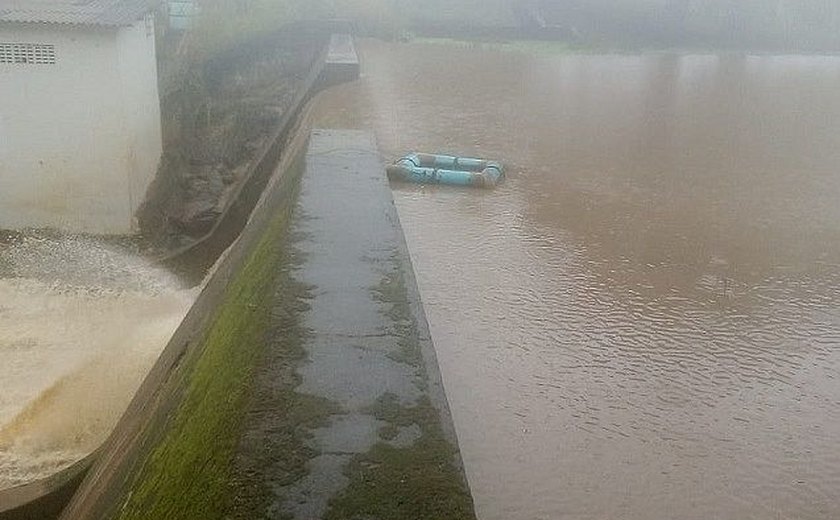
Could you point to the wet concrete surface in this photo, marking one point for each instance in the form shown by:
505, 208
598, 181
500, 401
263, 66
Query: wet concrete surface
363, 341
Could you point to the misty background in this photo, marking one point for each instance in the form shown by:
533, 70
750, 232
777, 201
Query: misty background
758, 25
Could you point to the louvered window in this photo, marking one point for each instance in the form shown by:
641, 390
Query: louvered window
27, 53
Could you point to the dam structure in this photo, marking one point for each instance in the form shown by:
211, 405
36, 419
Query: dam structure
379, 428
302, 382
312, 388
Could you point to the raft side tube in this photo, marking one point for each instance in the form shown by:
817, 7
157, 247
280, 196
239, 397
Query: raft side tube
407, 169
425, 168
448, 162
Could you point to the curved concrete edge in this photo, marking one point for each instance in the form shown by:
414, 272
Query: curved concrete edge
342, 61
124, 448
338, 63
44, 498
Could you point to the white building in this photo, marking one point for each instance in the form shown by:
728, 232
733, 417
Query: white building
80, 136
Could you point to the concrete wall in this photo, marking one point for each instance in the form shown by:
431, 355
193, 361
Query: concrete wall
80, 139
137, 62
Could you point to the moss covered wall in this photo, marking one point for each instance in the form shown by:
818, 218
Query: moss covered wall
171, 454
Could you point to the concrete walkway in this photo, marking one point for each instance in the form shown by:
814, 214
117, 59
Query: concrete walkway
349, 418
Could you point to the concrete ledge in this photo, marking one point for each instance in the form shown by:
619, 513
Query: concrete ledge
342, 62
348, 416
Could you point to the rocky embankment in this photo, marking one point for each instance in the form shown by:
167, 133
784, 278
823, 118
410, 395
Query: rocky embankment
217, 114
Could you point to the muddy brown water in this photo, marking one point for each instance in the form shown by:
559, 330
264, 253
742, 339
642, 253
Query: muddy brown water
644, 321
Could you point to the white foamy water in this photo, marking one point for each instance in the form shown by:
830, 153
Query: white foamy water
81, 323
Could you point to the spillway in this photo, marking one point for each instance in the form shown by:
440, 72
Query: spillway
81, 322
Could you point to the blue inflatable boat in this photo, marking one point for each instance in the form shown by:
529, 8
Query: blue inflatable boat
424, 168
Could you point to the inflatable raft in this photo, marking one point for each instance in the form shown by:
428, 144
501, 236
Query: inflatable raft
424, 168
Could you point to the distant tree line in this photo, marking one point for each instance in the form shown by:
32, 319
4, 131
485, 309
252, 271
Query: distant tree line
805, 25
761, 24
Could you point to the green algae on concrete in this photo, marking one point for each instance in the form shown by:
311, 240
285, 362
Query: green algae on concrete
391, 291
390, 452
414, 482
187, 474
419, 481
285, 452
278, 418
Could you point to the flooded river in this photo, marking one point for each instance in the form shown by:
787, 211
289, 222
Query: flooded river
644, 321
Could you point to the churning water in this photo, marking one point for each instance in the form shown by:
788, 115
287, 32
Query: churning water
644, 321
81, 323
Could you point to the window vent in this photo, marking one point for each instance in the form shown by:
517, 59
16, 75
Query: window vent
27, 53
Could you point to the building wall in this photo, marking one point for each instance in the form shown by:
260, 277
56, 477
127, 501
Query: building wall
79, 139
137, 64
